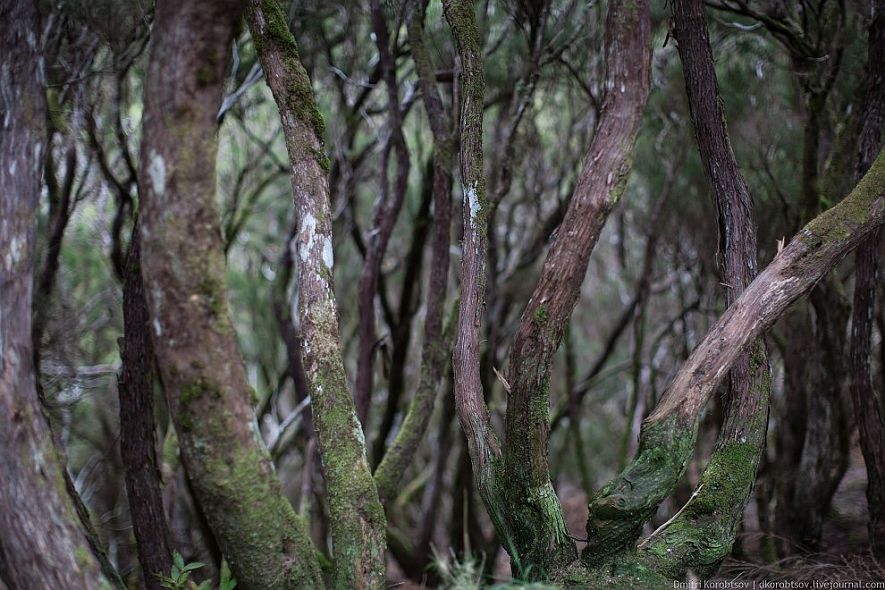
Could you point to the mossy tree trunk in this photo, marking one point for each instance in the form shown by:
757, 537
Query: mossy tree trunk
541, 538
41, 542
515, 484
357, 518
668, 434
702, 534
209, 397
482, 441
434, 351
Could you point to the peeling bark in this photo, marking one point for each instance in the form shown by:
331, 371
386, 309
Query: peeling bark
357, 518
209, 397
41, 544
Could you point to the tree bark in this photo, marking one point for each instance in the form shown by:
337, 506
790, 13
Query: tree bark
435, 348
826, 447
867, 408
357, 518
668, 434
483, 446
138, 445
41, 543
703, 533
541, 537
210, 400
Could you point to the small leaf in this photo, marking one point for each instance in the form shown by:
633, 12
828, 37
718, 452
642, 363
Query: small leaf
193, 566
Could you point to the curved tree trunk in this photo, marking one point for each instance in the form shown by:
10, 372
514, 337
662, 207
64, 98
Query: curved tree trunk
537, 516
515, 485
668, 434
483, 446
210, 400
41, 542
703, 533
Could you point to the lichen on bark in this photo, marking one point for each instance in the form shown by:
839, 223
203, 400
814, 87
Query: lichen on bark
357, 518
210, 399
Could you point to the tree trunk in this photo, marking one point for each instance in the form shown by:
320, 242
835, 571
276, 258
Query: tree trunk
436, 346
357, 518
825, 452
703, 533
483, 446
668, 434
41, 543
210, 400
386, 213
138, 444
867, 409
541, 537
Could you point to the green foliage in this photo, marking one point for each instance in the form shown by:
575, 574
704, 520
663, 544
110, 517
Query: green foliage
179, 576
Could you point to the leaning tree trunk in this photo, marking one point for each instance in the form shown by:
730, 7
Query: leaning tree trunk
668, 434
702, 534
515, 485
358, 524
210, 400
541, 536
41, 543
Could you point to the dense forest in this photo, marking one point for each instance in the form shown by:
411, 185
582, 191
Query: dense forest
366, 294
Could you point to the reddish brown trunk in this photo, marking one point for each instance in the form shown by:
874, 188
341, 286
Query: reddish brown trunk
537, 517
209, 397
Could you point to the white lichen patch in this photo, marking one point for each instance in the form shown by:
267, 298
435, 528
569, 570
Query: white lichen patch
157, 173
358, 433
472, 201
308, 231
15, 253
328, 254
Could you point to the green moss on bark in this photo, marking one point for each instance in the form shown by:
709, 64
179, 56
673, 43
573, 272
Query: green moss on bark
619, 510
269, 25
702, 535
